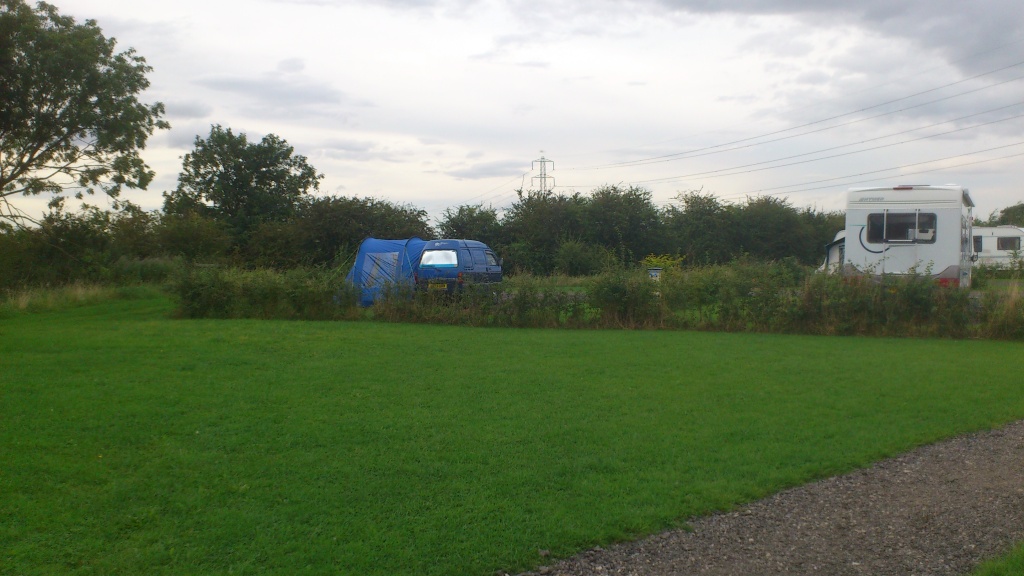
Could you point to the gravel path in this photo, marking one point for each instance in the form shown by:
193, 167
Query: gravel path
938, 510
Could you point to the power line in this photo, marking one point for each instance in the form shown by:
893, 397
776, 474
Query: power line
714, 173
715, 149
903, 80
763, 190
484, 195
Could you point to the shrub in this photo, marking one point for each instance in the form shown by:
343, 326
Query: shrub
576, 258
627, 298
308, 294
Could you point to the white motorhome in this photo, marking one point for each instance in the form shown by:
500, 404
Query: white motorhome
909, 229
998, 246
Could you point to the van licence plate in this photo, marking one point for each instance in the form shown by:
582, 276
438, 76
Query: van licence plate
437, 286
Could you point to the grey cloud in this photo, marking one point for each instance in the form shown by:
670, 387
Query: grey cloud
184, 136
489, 169
969, 34
276, 89
187, 110
291, 65
393, 4
362, 150
285, 96
814, 77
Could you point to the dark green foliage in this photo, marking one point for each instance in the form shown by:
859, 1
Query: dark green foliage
310, 294
133, 232
66, 247
575, 258
1011, 215
745, 296
327, 231
701, 229
472, 222
892, 306
625, 221
535, 224
91, 245
769, 228
627, 298
193, 237
705, 231
241, 184
70, 117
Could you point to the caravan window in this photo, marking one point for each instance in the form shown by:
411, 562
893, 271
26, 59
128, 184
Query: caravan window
439, 259
1008, 243
911, 227
977, 243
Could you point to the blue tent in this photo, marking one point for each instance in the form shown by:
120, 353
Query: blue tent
380, 263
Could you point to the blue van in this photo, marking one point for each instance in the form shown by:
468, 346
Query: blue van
447, 265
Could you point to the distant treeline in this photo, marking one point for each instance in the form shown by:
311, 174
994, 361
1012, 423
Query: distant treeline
540, 233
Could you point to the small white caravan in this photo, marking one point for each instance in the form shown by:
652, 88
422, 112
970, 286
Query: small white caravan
998, 246
910, 229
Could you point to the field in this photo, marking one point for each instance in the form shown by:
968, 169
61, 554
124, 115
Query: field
134, 443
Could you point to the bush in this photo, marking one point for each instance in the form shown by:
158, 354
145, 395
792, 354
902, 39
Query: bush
627, 298
308, 294
743, 296
576, 258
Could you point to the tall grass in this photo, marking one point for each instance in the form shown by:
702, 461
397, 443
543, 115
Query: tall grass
72, 295
745, 296
303, 293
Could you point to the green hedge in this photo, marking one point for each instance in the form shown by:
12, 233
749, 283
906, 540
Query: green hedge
780, 297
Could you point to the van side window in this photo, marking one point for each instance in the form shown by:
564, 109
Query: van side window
466, 257
492, 260
910, 227
478, 256
1008, 243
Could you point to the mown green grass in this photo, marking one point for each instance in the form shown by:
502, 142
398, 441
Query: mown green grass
131, 443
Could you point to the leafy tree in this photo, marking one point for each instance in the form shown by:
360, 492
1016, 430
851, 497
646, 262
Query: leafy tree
326, 231
576, 258
535, 225
823, 227
472, 222
193, 236
70, 118
240, 183
625, 221
1013, 216
67, 246
133, 231
701, 229
769, 228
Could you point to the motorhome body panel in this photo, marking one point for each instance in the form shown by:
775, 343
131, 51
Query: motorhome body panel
910, 229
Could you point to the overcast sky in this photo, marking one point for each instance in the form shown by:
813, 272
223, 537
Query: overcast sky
442, 103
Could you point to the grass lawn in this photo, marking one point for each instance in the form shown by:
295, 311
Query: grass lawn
131, 443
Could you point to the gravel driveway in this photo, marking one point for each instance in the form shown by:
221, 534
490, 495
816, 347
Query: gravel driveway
938, 510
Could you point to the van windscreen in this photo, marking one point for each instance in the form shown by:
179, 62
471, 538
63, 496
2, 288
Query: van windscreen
439, 259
